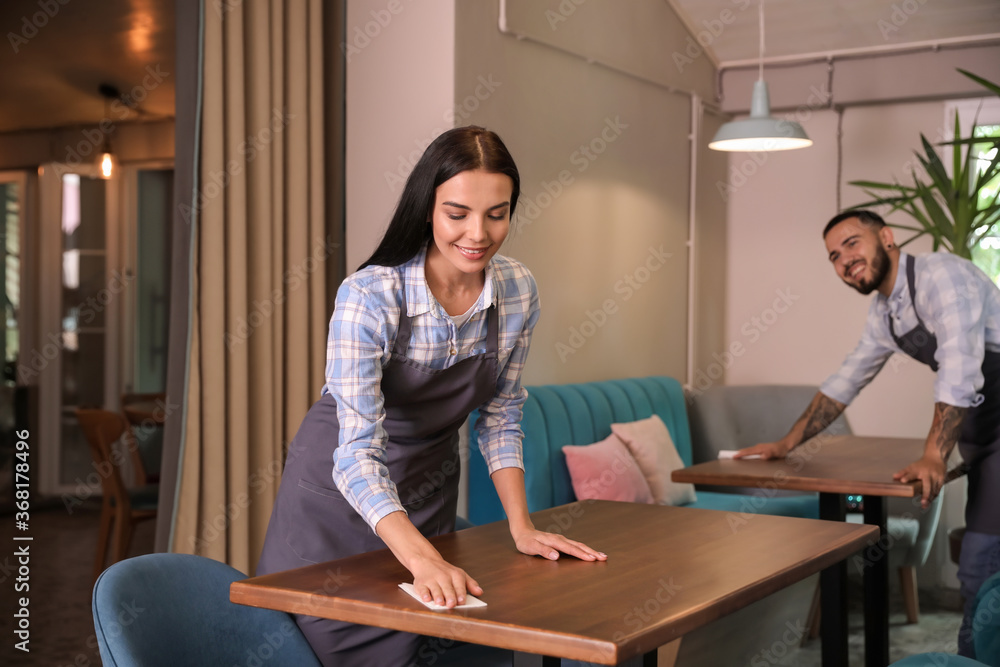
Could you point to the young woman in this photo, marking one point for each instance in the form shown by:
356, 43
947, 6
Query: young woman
434, 325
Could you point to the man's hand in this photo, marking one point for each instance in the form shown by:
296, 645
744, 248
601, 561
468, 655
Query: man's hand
930, 470
765, 450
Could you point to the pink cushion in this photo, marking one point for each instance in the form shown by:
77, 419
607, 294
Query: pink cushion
606, 471
650, 444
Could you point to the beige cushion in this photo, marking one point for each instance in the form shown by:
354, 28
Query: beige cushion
650, 443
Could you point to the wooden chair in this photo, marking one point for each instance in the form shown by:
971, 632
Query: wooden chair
121, 507
140, 410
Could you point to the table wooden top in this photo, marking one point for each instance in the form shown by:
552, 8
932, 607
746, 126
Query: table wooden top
137, 413
833, 464
669, 571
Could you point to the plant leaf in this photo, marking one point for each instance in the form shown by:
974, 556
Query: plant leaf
933, 165
882, 186
941, 220
988, 85
956, 156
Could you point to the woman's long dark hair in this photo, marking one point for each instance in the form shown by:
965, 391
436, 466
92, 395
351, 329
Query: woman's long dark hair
461, 149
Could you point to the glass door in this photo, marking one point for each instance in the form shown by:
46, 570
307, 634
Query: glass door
81, 304
13, 396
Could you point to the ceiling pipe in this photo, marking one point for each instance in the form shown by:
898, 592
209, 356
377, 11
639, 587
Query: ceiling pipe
864, 52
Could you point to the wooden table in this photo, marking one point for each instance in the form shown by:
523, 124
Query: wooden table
669, 570
147, 412
835, 466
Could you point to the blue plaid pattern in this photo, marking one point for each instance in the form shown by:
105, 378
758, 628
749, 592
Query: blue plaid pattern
957, 303
362, 332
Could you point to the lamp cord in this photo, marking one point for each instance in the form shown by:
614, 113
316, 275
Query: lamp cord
760, 15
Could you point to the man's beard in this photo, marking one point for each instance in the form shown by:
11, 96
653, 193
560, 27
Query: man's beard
880, 267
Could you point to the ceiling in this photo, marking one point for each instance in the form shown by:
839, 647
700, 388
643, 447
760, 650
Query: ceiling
799, 27
51, 66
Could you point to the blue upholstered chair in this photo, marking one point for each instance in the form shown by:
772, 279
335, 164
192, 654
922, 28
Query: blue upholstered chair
985, 635
174, 609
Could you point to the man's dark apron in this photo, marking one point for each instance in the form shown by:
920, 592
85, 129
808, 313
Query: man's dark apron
979, 443
312, 522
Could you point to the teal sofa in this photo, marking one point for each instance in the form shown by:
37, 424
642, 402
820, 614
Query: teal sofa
581, 414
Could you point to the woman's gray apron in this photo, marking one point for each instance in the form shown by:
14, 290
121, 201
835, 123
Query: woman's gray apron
312, 522
979, 443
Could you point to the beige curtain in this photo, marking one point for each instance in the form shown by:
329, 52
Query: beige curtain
260, 248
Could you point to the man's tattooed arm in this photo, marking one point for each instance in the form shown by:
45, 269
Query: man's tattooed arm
945, 429
820, 414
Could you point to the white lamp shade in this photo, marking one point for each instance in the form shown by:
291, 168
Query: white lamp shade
761, 131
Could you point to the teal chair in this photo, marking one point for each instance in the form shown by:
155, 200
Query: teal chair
985, 635
174, 609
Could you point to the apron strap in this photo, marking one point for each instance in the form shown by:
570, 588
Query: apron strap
911, 272
403, 329
492, 329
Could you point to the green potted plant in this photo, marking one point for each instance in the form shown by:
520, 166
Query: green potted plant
956, 211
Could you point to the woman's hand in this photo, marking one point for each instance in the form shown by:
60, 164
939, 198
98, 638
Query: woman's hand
548, 545
433, 577
436, 579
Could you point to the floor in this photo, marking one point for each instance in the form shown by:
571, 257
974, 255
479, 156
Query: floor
61, 569
62, 633
936, 631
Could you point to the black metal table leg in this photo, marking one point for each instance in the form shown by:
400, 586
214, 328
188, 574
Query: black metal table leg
876, 576
533, 660
833, 592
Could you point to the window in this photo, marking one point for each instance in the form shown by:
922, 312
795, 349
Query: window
986, 253
985, 113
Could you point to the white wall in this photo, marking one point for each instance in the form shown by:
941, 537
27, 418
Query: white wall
400, 94
603, 149
776, 217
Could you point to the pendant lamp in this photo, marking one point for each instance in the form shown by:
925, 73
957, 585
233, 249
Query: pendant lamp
107, 163
761, 131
